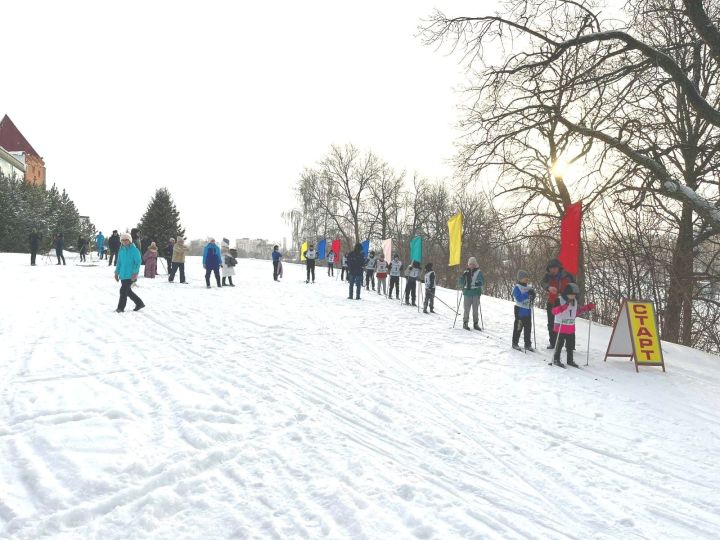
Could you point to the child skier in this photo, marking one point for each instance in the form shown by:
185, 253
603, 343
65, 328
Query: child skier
524, 296
565, 314
429, 288
331, 263
344, 269
411, 276
381, 273
472, 282
370, 271
396, 267
310, 256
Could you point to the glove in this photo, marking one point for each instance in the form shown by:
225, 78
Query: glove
590, 306
531, 294
117, 278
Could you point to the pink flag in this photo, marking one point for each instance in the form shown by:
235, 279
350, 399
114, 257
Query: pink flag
387, 249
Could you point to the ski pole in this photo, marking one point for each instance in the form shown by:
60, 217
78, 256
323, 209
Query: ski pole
482, 324
457, 308
532, 313
587, 358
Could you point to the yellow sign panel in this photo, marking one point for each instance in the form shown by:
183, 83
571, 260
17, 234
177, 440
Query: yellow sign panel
303, 249
645, 336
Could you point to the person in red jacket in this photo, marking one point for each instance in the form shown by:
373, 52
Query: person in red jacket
565, 313
554, 283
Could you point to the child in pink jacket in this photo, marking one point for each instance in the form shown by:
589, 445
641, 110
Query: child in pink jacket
565, 314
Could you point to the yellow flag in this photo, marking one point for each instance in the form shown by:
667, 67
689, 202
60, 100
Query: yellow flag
303, 249
455, 228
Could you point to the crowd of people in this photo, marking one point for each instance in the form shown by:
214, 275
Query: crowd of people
559, 286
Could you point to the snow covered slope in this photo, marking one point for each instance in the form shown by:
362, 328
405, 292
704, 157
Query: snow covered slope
284, 410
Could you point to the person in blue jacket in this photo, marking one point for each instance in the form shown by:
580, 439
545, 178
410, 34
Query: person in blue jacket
100, 243
212, 259
276, 256
126, 272
524, 296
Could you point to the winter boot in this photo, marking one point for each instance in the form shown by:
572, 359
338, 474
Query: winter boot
529, 348
466, 326
223, 281
138, 307
572, 363
425, 310
557, 362
516, 347
476, 326
550, 346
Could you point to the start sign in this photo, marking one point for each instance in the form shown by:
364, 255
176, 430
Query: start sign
635, 335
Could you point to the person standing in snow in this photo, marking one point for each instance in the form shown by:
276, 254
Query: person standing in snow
276, 256
381, 272
331, 263
396, 267
169, 253
310, 256
178, 260
472, 282
212, 259
100, 243
411, 276
344, 271
150, 259
355, 264
429, 289
34, 246
59, 241
555, 281
113, 247
82, 248
135, 235
524, 297
565, 313
228, 262
370, 271
126, 272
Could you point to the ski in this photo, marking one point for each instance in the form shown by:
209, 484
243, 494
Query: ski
558, 365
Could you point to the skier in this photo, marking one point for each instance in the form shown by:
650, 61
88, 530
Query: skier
178, 260
524, 296
100, 243
472, 282
169, 253
429, 288
370, 271
310, 256
355, 262
396, 267
34, 246
411, 276
344, 270
150, 259
554, 282
331, 263
82, 248
381, 268
126, 272
565, 313
212, 259
59, 246
228, 262
113, 247
276, 256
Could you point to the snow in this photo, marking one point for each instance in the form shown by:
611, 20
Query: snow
284, 410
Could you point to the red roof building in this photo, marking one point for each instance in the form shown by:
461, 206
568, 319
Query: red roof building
12, 141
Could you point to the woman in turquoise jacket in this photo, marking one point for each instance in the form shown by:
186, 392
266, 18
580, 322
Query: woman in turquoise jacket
126, 272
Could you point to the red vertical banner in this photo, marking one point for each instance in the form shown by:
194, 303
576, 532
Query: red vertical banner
335, 248
570, 238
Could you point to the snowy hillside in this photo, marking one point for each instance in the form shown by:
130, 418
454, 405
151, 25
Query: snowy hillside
284, 410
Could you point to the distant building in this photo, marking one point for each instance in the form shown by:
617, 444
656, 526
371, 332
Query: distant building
255, 248
11, 166
13, 142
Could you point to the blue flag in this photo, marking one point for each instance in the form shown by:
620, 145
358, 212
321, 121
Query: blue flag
321, 249
416, 249
366, 248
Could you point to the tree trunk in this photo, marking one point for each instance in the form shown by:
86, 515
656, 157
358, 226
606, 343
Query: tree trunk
681, 283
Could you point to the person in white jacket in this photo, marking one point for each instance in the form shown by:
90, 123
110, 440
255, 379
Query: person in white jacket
331, 263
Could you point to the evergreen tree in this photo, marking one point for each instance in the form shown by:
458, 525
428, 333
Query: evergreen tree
161, 220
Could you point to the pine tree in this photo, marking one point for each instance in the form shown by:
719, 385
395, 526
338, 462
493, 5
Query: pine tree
161, 220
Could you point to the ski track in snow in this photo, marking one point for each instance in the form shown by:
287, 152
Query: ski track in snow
284, 410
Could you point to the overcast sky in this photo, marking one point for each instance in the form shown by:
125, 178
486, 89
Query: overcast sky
223, 102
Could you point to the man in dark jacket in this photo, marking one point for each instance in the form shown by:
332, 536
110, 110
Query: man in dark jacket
59, 246
356, 263
34, 246
168, 254
113, 247
554, 282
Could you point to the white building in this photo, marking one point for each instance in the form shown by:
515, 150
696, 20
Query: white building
12, 164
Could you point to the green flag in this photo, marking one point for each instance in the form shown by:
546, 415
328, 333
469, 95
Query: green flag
416, 249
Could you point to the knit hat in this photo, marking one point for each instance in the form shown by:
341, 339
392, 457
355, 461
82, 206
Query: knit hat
125, 236
225, 243
472, 261
428, 266
521, 275
553, 263
571, 288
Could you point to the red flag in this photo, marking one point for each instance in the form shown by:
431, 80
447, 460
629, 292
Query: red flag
336, 249
570, 238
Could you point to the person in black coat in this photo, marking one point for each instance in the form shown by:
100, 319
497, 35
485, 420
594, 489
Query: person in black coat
168, 253
59, 246
34, 246
355, 263
82, 248
113, 247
